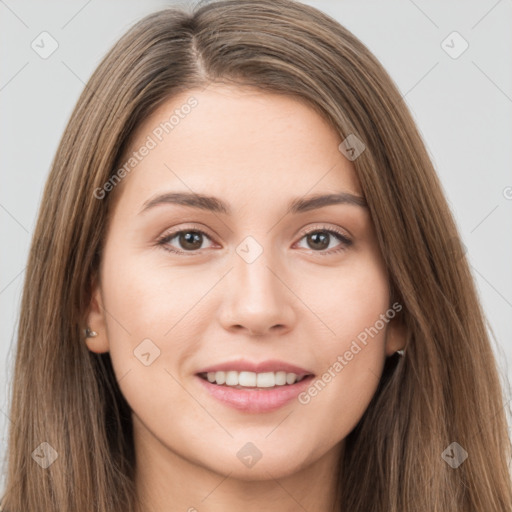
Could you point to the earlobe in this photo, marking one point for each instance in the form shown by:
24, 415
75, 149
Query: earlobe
95, 332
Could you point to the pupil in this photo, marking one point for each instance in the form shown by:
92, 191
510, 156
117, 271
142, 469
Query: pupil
324, 239
191, 240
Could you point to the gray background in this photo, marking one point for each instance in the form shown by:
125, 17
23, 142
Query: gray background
463, 107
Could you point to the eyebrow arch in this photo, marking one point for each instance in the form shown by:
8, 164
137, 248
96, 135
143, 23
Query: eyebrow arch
214, 204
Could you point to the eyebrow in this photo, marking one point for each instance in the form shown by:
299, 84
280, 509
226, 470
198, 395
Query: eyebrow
214, 204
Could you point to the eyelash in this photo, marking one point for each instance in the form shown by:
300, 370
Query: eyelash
346, 242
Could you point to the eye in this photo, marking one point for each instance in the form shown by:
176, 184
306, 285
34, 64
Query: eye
319, 238
189, 239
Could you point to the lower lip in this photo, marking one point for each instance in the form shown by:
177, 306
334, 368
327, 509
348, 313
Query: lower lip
256, 400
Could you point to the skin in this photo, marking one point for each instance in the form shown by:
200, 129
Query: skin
296, 302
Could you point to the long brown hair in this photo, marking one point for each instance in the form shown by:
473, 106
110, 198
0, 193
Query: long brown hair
445, 389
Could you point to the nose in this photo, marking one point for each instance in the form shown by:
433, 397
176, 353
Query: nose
257, 298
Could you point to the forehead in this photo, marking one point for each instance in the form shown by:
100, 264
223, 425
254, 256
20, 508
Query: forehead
239, 143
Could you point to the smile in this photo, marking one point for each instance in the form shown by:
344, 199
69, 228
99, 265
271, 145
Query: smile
244, 379
254, 399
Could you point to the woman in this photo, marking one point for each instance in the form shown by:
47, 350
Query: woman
242, 291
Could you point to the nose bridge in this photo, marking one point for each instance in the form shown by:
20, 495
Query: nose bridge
252, 272
256, 299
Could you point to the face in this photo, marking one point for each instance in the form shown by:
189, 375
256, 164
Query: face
254, 292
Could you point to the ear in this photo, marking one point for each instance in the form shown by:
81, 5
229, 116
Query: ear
396, 336
96, 321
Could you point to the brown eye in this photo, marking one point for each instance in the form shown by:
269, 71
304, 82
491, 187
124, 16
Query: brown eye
319, 240
188, 240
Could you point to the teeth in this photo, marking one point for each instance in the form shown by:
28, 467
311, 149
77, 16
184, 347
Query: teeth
231, 379
247, 379
251, 379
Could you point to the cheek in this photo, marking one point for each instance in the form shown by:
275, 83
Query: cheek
145, 315
149, 299
350, 301
352, 355
155, 317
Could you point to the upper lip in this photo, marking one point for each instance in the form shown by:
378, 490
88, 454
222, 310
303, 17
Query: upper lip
243, 365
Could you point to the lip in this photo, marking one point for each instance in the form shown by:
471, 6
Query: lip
243, 365
253, 400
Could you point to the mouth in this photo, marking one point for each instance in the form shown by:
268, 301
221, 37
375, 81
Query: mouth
246, 380
251, 392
